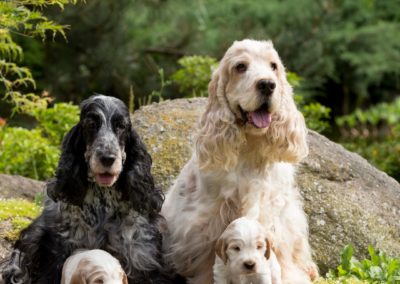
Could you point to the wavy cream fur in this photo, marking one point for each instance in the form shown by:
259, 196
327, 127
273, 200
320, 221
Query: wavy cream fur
245, 241
240, 170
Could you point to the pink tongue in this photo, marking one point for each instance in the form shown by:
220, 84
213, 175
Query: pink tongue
105, 179
260, 118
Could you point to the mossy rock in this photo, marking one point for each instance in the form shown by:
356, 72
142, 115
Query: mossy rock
15, 215
347, 200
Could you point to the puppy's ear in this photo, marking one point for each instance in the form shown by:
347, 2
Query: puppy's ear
78, 277
125, 279
220, 250
136, 182
219, 137
70, 182
268, 248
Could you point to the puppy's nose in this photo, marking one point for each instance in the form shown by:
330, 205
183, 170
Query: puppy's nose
107, 160
266, 87
249, 264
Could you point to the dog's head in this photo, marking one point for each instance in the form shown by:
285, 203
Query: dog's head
255, 83
250, 98
105, 126
104, 149
244, 247
93, 267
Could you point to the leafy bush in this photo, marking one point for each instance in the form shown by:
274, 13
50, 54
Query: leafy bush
23, 17
54, 122
316, 115
375, 134
34, 153
194, 74
27, 153
380, 268
342, 281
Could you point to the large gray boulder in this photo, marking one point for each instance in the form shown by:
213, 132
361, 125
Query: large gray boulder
347, 200
14, 186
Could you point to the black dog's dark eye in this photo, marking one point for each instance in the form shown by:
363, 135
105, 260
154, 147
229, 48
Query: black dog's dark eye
91, 124
241, 67
120, 125
274, 66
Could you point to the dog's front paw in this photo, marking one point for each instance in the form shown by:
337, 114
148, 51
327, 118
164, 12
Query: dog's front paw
312, 271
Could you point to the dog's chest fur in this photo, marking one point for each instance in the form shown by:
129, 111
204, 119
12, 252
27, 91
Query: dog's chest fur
102, 219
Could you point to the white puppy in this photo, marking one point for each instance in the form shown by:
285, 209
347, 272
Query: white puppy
244, 255
92, 266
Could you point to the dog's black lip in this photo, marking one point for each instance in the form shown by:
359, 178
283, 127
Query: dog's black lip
243, 115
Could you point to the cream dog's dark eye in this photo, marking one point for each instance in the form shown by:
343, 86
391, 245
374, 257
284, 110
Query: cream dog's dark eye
236, 248
241, 67
274, 66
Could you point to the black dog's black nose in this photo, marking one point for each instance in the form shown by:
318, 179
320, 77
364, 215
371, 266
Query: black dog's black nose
107, 160
249, 265
266, 87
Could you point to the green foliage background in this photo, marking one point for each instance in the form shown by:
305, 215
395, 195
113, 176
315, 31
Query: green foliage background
34, 152
347, 52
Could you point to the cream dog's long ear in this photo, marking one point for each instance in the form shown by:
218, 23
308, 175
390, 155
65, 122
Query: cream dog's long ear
268, 249
220, 250
287, 134
218, 139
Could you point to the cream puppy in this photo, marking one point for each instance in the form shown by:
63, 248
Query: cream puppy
92, 266
244, 255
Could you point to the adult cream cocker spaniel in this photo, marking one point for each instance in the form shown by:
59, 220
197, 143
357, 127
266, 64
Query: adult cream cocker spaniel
249, 136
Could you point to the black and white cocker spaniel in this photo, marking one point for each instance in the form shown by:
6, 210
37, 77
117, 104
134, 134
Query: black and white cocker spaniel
102, 197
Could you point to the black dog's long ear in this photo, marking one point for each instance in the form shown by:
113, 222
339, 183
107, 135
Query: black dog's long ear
136, 182
70, 182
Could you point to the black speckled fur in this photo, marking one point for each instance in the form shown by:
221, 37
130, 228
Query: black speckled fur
123, 219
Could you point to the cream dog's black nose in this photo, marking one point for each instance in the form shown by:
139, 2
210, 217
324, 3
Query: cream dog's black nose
266, 87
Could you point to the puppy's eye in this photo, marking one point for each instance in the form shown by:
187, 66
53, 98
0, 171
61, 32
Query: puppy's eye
236, 248
241, 67
274, 66
260, 247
